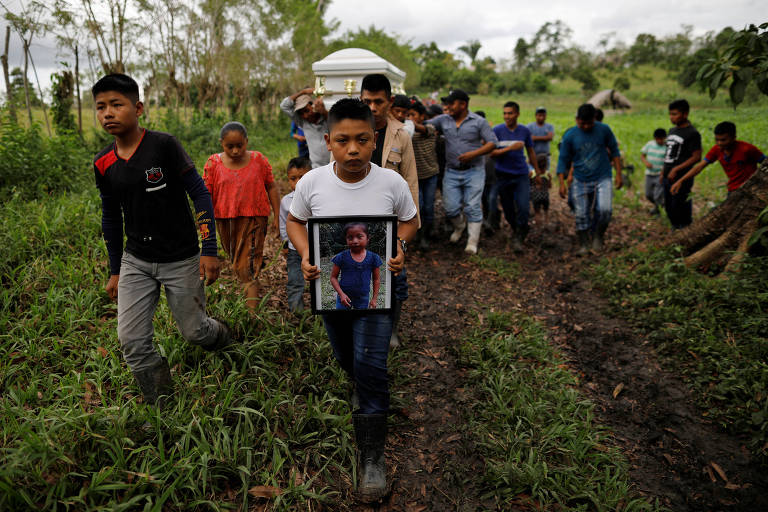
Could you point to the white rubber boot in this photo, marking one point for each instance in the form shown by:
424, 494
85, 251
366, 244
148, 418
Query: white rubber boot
459, 223
473, 228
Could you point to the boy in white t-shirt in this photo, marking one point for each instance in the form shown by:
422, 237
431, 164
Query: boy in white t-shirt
352, 185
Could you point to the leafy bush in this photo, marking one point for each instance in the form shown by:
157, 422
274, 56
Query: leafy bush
621, 83
588, 80
35, 165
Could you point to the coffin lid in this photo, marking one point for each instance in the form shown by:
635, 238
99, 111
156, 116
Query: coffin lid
351, 60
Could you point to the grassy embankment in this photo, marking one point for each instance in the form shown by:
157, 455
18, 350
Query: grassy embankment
270, 412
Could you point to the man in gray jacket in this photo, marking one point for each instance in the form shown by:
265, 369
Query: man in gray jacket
309, 115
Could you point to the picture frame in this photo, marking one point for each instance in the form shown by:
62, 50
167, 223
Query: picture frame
329, 249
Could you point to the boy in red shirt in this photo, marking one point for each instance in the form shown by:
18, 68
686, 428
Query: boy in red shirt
738, 158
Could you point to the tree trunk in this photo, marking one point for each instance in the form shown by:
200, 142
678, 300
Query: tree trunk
77, 86
26, 82
713, 238
8, 92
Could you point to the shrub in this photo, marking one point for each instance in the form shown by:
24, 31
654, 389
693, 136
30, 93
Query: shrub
621, 83
35, 165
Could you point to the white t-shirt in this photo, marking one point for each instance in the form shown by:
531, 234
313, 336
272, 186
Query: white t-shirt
320, 193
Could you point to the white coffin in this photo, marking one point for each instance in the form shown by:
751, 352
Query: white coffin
340, 74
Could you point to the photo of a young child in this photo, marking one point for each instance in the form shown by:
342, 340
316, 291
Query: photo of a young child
354, 268
351, 254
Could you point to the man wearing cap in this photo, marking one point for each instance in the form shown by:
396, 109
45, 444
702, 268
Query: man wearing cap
467, 138
309, 115
542, 134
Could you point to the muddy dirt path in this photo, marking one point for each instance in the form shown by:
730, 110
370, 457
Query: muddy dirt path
676, 454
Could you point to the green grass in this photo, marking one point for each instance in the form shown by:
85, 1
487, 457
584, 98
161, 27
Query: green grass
271, 411
537, 434
711, 330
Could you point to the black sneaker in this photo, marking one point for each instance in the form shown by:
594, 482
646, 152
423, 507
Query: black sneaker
223, 340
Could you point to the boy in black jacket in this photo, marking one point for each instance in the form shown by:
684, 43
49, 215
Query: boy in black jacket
144, 178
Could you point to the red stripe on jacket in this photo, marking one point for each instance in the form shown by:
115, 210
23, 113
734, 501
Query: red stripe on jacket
103, 163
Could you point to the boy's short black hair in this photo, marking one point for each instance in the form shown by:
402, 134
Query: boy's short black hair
233, 126
680, 106
435, 110
512, 104
480, 113
418, 107
117, 82
375, 83
599, 115
402, 101
299, 162
726, 128
350, 108
659, 133
586, 112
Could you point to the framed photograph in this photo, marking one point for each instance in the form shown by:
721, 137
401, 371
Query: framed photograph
352, 253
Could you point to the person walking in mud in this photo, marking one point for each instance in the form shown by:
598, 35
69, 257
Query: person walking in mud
590, 147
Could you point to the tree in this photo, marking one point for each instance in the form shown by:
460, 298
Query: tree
110, 34
522, 53
385, 45
645, 50
63, 86
742, 58
549, 42
589, 82
471, 50
11, 104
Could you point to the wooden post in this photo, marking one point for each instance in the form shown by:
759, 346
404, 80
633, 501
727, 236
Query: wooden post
77, 85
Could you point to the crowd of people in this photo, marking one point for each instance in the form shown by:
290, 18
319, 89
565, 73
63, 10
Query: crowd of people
374, 155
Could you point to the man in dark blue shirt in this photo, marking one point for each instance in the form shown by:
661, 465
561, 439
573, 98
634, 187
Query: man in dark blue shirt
467, 138
590, 147
512, 172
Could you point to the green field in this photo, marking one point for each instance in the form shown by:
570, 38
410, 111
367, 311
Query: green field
272, 412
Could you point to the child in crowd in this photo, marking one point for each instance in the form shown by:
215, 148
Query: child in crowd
294, 286
540, 188
243, 191
352, 185
652, 156
683, 152
144, 178
424, 141
357, 266
399, 111
738, 158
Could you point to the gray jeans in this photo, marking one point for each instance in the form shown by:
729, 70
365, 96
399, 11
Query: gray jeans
294, 285
137, 294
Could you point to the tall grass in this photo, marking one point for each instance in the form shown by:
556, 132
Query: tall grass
541, 444
270, 411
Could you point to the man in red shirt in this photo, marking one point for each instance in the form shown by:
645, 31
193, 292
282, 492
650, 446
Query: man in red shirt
738, 158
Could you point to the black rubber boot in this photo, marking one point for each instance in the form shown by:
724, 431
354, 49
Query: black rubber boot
222, 340
371, 434
583, 242
518, 237
598, 242
424, 234
155, 383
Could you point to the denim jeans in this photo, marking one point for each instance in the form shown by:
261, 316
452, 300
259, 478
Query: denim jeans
361, 345
679, 207
294, 286
138, 291
464, 189
427, 188
515, 192
594, 203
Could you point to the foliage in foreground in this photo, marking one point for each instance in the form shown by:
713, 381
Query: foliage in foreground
269, 412
35, 165
536, 433
712, 329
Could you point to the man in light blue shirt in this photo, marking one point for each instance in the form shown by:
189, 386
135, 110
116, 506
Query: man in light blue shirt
467, 138
590, 147
542, 134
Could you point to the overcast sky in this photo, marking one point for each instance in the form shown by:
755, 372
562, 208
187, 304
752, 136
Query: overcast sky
496, 23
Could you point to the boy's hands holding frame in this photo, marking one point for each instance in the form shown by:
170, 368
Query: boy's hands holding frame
297, 233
